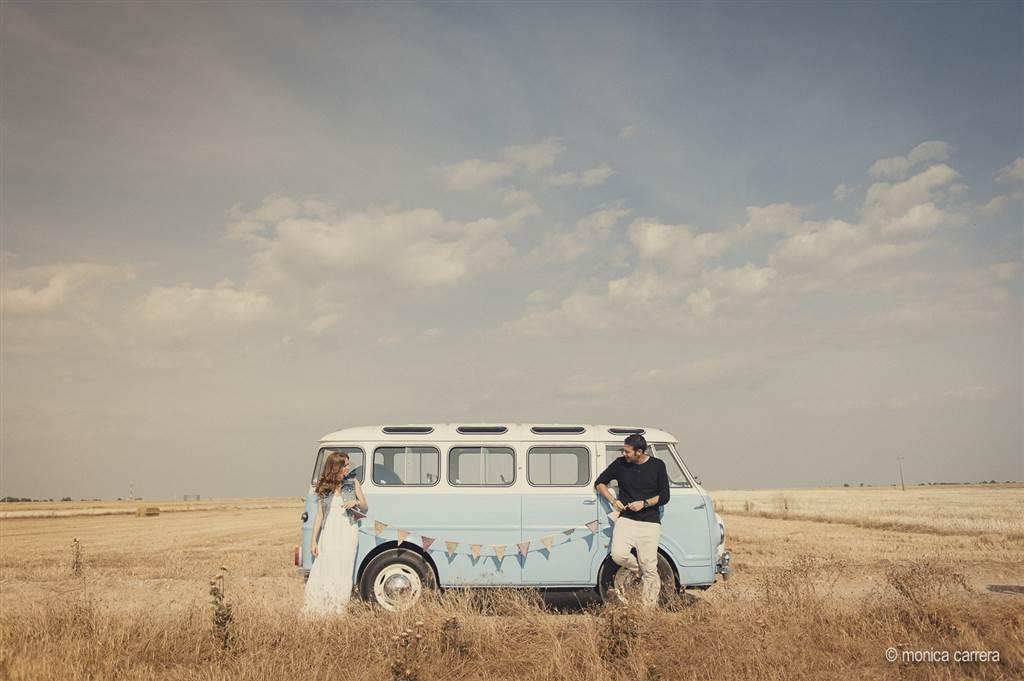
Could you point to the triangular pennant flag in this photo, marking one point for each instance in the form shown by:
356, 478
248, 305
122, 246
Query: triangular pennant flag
499, 551
569, 531
451, 546
425, 542
378, 527
402, 536
592, 526
475, 549
548, 542
524, 548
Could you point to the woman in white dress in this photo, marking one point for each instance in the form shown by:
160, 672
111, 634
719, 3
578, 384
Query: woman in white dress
335, 538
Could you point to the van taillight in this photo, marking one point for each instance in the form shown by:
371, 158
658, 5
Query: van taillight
297, 553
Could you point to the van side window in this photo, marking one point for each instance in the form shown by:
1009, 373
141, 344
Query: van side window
562, 466
406, 466
491, 466
355, 461
676, 477
612, 452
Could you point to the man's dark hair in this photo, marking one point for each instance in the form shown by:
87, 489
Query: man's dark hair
637, 441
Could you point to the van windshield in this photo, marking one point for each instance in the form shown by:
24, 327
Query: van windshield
355, 461
659, 450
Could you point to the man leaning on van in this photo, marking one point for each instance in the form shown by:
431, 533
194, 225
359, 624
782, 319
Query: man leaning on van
643, 487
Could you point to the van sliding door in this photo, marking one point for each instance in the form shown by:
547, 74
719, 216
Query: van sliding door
558, 502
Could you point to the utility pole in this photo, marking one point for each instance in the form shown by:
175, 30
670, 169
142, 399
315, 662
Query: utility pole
899, 460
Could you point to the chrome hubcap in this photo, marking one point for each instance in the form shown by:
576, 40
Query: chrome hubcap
397, 587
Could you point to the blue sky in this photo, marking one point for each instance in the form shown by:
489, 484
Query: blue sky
790, 234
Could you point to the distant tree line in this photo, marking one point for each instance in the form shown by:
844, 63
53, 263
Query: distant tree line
14, 500
923, 484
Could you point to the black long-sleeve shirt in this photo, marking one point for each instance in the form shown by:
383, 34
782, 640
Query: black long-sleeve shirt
639, 481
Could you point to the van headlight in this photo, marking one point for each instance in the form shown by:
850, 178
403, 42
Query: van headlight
721, 529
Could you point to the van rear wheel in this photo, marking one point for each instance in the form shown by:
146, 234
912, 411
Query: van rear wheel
396, 579
616, 585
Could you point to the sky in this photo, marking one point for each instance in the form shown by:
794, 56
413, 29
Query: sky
790, 234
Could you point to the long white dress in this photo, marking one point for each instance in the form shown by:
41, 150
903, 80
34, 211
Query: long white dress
329, 587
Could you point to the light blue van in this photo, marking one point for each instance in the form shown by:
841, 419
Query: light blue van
509, 505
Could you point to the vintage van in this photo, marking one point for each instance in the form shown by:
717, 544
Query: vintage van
506, 505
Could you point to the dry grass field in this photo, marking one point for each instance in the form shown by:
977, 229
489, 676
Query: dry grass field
825, 584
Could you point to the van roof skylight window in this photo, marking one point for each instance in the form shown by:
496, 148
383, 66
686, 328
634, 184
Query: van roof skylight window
557, 430
482, 430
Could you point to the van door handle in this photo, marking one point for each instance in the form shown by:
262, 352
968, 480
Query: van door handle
703, 504
590, 502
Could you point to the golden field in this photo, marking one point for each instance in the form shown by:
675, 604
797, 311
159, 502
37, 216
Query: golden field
826, 580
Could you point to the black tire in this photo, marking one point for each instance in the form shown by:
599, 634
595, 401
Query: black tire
405, 562
608, 570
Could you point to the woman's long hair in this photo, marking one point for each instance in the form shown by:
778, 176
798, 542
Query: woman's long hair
332, 473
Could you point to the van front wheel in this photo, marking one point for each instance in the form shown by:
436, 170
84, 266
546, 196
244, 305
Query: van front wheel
396, 579
616, 585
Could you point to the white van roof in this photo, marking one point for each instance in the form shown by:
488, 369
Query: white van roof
498, 431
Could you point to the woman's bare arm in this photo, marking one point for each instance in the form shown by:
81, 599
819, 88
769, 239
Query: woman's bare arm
313, 548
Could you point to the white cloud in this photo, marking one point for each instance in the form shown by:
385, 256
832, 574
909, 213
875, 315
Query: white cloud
748, 280
774, 218
1013, 172
677, 244
885, 201
706, 371
540, 296
627, 132
46, 288
434, 332
522, 205
595, 176
379, 250
998, 204
588, 178
962, 299
566, 247
181, 309
389, 341
535, 157
474, 173
898, 166
841, 192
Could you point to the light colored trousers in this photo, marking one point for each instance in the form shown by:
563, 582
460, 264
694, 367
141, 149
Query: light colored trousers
644, 537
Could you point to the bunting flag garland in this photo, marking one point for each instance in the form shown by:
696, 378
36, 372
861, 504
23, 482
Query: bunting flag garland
500, 550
